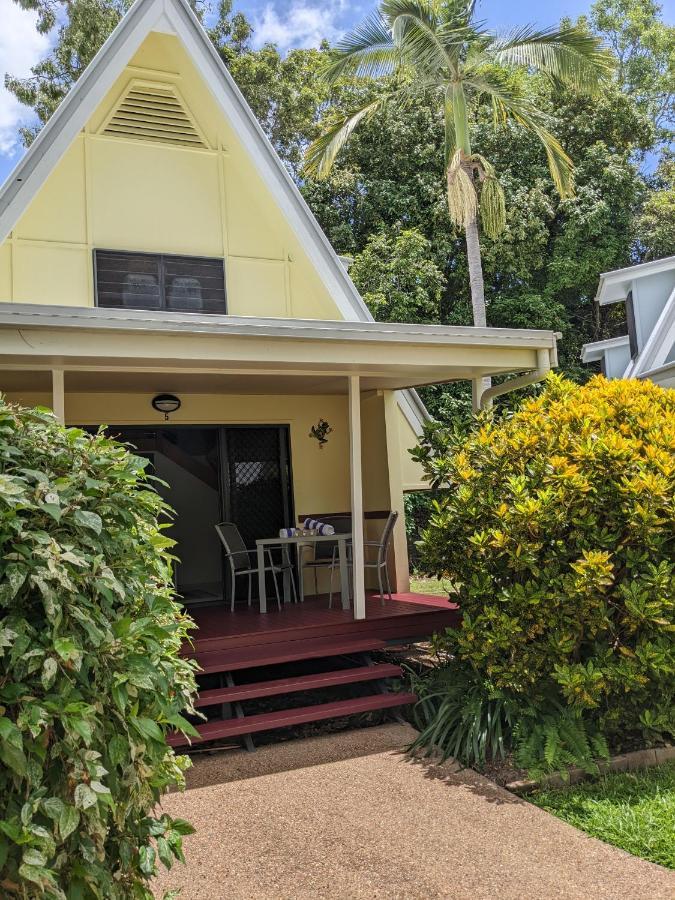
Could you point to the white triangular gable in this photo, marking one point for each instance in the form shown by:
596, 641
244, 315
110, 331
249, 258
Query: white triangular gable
175, 17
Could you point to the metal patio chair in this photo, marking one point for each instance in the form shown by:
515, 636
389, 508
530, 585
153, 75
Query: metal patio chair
244, 562
380, 551
325, 554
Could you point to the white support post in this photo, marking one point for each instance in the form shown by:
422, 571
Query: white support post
394, 456
58, 395
357, 496
476, 393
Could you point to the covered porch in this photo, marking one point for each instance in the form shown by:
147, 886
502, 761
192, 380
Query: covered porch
95, 366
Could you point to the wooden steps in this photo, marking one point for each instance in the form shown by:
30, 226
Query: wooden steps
241, 692
226, 728
290, 651
284, 662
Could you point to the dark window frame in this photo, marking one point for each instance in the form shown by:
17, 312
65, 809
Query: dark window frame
631, 326
159, 258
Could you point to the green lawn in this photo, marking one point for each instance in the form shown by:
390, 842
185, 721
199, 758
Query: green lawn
420, 584
634, 811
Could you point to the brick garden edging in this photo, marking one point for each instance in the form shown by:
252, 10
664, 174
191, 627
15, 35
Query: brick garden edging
626, 762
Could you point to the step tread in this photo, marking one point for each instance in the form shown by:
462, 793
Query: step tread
300, 683
210, 731
249, 658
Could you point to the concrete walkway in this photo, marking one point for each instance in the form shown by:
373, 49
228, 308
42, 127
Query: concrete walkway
347, 816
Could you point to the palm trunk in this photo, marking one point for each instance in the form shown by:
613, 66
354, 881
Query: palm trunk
477, 295
475, 272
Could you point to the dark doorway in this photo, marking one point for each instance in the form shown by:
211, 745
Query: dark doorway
235, 473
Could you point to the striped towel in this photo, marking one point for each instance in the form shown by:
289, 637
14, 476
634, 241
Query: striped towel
319, 527
288, 532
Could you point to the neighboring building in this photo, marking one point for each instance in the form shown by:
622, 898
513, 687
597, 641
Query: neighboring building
648, 350
151, 242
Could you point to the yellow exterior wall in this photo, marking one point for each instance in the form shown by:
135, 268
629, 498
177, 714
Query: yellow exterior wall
411, 471
123, 194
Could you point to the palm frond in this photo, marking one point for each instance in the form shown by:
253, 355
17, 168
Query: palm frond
368, 51
571, 55
414, 25
507, 105
560, 165
321, 153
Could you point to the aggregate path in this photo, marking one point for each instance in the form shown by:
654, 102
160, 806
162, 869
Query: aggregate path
347, 816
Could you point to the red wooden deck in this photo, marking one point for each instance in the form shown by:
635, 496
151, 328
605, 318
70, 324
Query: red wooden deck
258, 647
408, 615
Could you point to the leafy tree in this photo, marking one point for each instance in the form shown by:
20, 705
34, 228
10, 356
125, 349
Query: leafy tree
418, 46
80, 34
656, 225
644, 47
91, 675
398, 278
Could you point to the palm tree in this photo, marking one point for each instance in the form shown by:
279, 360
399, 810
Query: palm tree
435, 47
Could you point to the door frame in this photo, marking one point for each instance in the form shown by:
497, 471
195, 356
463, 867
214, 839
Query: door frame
285, 464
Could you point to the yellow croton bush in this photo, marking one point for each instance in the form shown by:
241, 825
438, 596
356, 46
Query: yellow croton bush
556, 527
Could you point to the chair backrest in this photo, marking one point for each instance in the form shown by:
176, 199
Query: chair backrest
234, 545
341, 524
387, 533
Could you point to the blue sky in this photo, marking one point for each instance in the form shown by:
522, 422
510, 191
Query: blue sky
288, 23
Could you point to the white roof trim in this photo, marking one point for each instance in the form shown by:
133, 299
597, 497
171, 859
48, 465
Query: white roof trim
36, 315
658, 344
596, 350
662, 373
613, 286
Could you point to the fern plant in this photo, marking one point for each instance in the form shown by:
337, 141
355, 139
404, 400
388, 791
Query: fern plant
552, 741
461, 716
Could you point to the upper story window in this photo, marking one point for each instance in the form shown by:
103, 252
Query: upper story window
159, 281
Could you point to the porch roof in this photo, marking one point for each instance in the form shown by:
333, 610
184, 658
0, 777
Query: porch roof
254, 355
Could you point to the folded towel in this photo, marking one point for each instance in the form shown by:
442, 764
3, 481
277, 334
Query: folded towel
288, 532
319, 527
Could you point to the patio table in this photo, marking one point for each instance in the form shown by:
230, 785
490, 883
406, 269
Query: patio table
262, 544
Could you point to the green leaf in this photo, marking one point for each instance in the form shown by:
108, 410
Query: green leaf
35, 874
53, 510
148, 728
67, 649
13, 756
49, 670
33, 857
118, 750
68, 821
146, 856
99, 788
54, 807
84, 797
88, 520
82, 727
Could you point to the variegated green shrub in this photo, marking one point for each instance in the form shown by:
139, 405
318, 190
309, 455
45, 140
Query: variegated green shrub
557, 527
90, 672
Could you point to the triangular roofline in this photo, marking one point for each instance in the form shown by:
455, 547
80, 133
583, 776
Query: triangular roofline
614, 286
176, 17
658, 344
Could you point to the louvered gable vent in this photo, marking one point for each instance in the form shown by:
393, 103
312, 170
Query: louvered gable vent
154, 112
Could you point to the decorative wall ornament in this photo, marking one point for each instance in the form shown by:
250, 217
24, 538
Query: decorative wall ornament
320, 432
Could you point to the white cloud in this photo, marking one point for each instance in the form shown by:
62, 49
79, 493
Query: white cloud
20, 48
300, 24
